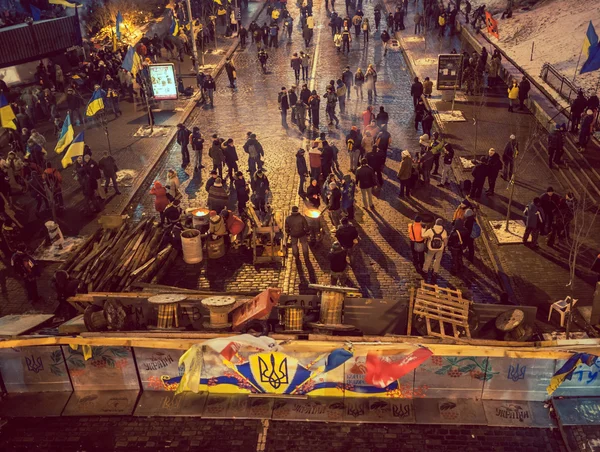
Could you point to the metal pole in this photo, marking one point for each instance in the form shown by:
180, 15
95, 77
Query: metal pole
194, 49
577, 66
532, 44
215, 27
105, 125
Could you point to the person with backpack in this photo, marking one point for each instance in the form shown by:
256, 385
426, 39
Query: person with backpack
255, 151
456, 244
436, 239
417, 243
27, 268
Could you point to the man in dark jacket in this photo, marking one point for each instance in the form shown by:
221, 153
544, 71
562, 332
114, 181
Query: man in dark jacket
335, 204
416, 90
302, 171
494, 165
183, 139
296, 227
241, 191
284, 106
260, 187
479, 174
524, 88
508, 157
365, 178
74, 105
549, 202
337, 263
255, 152
347, 78
231, 158
375, 161
577, 108
382, 117
231, 74
109, 167
555, 146
346, 234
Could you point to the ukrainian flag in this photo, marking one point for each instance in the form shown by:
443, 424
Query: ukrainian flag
592, 49
66, 135
74, 151
132, 61
566, 371
174, 24
64, 3
118, 21
7, 115
96, 103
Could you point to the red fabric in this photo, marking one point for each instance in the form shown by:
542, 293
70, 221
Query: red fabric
381, 373
492, 25
234, 224
161, 202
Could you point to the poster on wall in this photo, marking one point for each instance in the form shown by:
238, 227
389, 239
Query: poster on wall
164, 84
449, 71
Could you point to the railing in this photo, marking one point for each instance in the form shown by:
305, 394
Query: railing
561, 84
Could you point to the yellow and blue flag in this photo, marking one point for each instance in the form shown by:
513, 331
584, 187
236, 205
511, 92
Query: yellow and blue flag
591, 48
66, 135
74, 151
64, 3
119, 21
566, 371
174, 24
7, 115
96, 103
132, 61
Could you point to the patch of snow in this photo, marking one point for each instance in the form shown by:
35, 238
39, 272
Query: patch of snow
514, 235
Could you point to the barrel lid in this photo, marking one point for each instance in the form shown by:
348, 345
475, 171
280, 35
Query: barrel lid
166, 298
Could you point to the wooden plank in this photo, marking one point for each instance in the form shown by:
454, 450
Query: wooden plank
426, 310
436, 288
13, 325
444, 300
429, 305
437, 317
410, 309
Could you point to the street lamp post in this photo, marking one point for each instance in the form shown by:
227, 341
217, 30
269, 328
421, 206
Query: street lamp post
194, 49
104, 123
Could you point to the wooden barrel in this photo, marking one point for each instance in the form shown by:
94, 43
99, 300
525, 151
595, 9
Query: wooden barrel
331, 307
293, 319
216, 248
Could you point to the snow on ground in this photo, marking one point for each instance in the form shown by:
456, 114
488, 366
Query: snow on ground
556, 27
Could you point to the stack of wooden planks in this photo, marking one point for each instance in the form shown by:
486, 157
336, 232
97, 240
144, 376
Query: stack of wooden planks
112, 259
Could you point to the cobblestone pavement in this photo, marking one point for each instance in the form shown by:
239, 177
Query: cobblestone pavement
382, 265
132, 153
541, 276
192, 434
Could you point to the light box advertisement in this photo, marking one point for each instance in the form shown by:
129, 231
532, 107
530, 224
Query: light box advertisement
164, 84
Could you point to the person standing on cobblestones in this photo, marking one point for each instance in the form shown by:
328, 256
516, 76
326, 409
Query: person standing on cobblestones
216, 154
197, 147
183, 139
456, 243
334, 204
302, 170
447, 157
534, 222
337, 263
284, 105
209, 87
314, 157
417, 243
296, 227
479, 174
160, 200
109, 168
218, 197
231, 73
305, 62
260, 188
241, 191
405, 173
494, 166
300, 115
348, 192
332, 99
314, 102
231, 158
416, 91
371, 82
436, 240
347, 77
296, 65
353, 146
365, 178
508, 157
255, 152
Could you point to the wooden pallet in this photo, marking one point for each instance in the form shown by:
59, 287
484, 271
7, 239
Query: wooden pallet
443, 305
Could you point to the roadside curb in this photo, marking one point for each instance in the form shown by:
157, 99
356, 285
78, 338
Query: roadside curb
501, 275
122, 208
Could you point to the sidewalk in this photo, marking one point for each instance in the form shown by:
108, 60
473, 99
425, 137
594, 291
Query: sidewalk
136, 155
536, 277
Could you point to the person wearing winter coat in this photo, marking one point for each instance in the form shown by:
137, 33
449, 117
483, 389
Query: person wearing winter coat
534, 222
337, 263
371, 82
577, 108
479, 174
359, 80
348, 192
586, 129
313, 194
173, 185
436, 240
494, 71
109, 168
260, 188
447, 155
296, 65
231, 158
456, 244
241, 190
160, 199
426, 159
508, 157
513, 94
231, 73
183, 139
549, 202
555, 146
494, 166
296, 227
375, 161
218, 197
365, 179
404, 174
314, 102
302, 170
424, 116
416, 91
524, 88
216, 154
255, 152
417, 243
216, 227
334, 204
427, 87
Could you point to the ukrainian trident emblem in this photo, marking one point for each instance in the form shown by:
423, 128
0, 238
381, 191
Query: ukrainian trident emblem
516, 373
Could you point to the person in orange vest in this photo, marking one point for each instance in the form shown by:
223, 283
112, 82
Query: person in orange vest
417, 244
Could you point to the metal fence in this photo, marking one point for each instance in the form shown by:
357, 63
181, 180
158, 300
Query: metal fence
563, 86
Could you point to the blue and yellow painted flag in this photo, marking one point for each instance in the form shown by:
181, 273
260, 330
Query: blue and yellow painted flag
64, 3
591, 48
66, 135
119, 21
174, 24
7, 115
96, 103
566, 371
132, 61
74, 151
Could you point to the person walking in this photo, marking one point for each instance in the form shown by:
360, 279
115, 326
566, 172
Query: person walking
436, 240
365, 178
183, 139
534, 221
371, 82
417, 243
305, 62
332, 99
160, 200
346, 40
416, 91
359, 80
231, 74
314, 103
513, 94
511, 150
109, 168
210, 87
284, 105
347, 78
231, 159
405, 173
377, 16
296, 227
340, 92
494, 166
296, 65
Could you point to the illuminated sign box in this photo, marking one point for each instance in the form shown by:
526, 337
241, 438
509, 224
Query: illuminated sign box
164, 84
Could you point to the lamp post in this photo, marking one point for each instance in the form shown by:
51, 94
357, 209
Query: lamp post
194, 49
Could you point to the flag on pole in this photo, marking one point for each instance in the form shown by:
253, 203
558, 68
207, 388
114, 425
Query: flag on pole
174, 24
74, 151
492, 25
591, 48
35, 13
114, 41
96, 103
132, 61
64, 3
566, 371
66, 135
7, 115
119, 21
